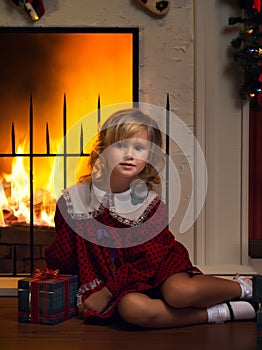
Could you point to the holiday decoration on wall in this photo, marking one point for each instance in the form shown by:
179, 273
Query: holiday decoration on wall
34, 8
248, 50
155, 7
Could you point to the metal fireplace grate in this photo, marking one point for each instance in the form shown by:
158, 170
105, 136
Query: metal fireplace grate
31, 155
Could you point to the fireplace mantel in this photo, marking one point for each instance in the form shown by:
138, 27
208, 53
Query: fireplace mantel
222, 123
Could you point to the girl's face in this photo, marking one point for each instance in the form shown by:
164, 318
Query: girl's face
127, 158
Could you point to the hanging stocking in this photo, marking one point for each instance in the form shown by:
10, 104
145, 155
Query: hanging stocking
34, 8
156, 7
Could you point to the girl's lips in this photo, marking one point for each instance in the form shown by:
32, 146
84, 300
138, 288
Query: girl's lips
127, 165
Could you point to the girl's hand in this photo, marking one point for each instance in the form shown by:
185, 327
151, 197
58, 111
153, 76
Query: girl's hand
96, 302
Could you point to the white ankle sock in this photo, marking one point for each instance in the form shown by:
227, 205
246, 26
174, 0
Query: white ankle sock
218, 313
246, 287
240, 310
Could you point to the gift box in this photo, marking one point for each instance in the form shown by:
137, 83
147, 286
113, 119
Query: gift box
46, 298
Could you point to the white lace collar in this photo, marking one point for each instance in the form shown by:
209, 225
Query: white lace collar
121, 197
85, 201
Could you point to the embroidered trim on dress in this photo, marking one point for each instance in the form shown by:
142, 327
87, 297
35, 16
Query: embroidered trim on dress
139, 220
108, 202
79, 216
85, 288
89, 287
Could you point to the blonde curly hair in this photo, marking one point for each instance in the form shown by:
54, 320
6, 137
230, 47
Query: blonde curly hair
122, 125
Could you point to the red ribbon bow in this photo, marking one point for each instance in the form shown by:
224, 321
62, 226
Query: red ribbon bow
45, 274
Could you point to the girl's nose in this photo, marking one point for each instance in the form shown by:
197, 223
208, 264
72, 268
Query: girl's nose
128, 152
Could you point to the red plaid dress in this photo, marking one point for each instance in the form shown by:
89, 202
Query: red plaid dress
98, 263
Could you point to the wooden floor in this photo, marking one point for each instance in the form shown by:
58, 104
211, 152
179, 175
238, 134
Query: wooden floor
74, 334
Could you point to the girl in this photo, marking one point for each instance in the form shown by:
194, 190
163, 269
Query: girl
112, 232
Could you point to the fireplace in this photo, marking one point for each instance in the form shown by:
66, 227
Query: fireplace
54, 80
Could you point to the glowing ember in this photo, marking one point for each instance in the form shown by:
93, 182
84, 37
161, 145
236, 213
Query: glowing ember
15, 197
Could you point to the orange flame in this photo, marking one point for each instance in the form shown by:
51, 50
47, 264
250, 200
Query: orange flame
103, 65
15, 197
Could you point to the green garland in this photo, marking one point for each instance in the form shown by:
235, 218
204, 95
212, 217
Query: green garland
248, 52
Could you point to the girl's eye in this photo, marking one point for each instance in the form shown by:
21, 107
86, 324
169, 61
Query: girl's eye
120, 144
139, 148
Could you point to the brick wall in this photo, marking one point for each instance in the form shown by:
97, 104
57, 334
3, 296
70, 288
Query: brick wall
15, 248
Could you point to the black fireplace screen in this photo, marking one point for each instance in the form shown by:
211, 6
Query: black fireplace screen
50, 79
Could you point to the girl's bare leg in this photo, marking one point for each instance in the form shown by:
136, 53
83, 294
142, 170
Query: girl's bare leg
140, 310
200, 291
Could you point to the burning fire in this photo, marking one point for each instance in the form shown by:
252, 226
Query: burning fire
103, 63
15, 197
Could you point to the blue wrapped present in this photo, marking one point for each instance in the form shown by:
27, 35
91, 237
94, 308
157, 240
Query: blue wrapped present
47, 297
